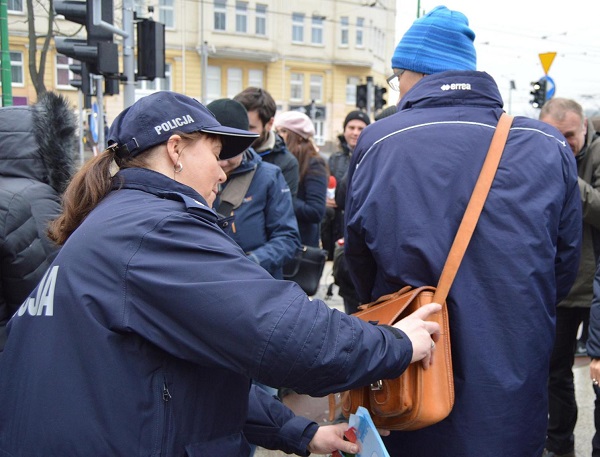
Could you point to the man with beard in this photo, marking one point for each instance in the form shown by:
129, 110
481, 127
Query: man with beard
269, 146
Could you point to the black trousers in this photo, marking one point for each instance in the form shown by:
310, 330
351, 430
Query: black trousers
562, 406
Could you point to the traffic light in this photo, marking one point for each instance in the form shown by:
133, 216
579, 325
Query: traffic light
361, 96
150, 50
539, 93
98, 51
83, 83
379, 97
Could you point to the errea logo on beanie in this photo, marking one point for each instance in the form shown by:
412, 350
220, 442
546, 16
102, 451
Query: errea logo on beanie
439, 41
154, 118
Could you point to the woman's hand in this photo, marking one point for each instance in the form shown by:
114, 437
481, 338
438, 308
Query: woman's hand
422, 334
330, 438
595, 371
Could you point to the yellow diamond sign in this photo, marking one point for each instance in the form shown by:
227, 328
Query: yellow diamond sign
547, 59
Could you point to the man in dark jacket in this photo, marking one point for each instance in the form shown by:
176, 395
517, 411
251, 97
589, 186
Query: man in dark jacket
410, 179
568, 117
332, 227
270, 147
264, 223
37, 147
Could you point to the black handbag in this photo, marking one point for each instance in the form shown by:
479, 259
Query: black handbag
306, 268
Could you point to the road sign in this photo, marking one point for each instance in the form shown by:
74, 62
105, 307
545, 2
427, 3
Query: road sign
547, 59
550, 87
94, 121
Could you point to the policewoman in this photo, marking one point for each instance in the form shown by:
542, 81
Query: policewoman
144, 335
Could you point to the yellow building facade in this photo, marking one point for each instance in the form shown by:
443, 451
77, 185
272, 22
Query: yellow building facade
308, 55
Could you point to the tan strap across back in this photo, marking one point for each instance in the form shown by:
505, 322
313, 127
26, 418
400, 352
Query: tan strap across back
474, 208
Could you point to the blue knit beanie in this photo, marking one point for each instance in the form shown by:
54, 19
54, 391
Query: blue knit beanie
439, 41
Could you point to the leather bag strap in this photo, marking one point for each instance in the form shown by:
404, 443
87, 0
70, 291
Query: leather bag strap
474, 208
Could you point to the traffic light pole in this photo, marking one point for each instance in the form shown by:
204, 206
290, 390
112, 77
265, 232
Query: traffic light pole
370, 95
128, 54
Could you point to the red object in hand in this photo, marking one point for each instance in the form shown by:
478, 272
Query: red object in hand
331, 187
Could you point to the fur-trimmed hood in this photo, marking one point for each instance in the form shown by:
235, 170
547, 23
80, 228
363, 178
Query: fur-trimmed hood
39, 141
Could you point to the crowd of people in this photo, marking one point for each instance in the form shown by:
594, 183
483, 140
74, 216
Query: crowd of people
143, 309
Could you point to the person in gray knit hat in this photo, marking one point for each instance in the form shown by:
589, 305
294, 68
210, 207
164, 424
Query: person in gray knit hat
409, 181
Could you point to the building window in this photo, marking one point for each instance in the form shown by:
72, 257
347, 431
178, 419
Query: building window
360, 32
241, 17
234, 82
317, 30
297, 87
144, 87
15, 6
297, 28
166, 13
344, 31
261, 19
255, 78
63, 74
316, 88
351, 83
220, 14
213, 83
139, 8
16, 68
319, 132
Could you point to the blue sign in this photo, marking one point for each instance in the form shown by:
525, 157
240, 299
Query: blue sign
94, 121
550, 87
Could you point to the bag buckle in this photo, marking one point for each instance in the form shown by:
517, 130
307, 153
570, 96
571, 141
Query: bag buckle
377, 385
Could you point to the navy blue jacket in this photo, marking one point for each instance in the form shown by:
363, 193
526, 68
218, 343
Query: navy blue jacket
143, 338
265, 224
411, 177
309, 204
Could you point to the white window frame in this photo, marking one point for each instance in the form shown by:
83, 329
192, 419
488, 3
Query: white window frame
213, 83
297, 27
12, 6
166, 13
17, 67
316, 88
220, 14
260, 21
360, 32
317, 29
255, 78
296, 87
319, 132
344, 31
351, 83
60, 68
241, 17
235, 81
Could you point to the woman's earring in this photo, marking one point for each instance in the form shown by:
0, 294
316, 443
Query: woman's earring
178, 167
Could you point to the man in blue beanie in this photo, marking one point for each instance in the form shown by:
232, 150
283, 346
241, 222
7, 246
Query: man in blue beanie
410, 179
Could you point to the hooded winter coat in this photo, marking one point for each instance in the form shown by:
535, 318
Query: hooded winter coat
37, 159
410, 179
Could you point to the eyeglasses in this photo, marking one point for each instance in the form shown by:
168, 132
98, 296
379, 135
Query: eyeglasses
394, 80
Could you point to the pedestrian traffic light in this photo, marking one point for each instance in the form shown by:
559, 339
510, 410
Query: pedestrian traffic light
379, 97
539, 93
361, 96
98, 50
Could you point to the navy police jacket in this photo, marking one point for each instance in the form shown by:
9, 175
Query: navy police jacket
144, 335
411, 177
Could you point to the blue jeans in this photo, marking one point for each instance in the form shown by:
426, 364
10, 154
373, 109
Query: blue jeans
562, 407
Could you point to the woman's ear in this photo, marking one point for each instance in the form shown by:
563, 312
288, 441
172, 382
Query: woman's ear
174, 146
